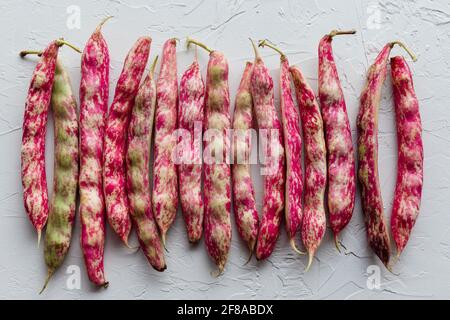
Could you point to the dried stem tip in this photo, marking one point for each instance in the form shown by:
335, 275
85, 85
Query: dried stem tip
62, 42
152, 68
339, 32
265, 42
255, 48
401, 44
197, 43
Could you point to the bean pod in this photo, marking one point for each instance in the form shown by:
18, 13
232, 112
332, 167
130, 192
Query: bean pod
314, 219
244, 203
165, 180
138, 174
34, 182
274, 171
290, 119
114, 177
65, 184
408, 191
190, 114
94, 92
217, 185
338, 136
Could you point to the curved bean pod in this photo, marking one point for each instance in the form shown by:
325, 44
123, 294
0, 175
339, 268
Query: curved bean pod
367, 123
35, 194
192, 96
165, 180
341, 159
408, 191
62, 210
368, 157
217, 185
34, 182
314, 219
267, 119
94, 91
138, 172
290, 119
114, 177
244, 204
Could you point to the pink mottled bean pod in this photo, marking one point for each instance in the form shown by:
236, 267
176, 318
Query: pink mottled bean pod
408, 191
293, 148
314, 219
94, 89
165, 179
114, 177
34, 182
217, 184
138, 172
35, 194
367, 123
338, 136
244, 204
192, 96
267, 119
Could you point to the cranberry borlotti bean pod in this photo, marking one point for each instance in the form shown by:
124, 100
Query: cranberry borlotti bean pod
192, 97
274, 175
244, 204
341, 160
314, 219
94, 90
58, 234
34, 182
165, 180
293, 147
138, 174
408, 190
367, 123
217, 185
114, 176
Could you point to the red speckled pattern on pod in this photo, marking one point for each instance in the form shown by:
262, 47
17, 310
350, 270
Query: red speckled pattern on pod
244, 204
367, 123
314, 219
267, 118
138, 173
408, 191
293, 147
192, 98
34, 182
341, 159
165, 180
94, 88
217, 184
114, 177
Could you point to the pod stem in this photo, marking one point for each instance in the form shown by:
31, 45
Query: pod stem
310, 260
255, 48
341, 32
152, 68
401, 44
24, 53
197, 43
266, 43
99, 27
294, 247
47, 280
336, 243
61, 42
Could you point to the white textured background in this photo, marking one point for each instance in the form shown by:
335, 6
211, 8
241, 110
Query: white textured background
296, 26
